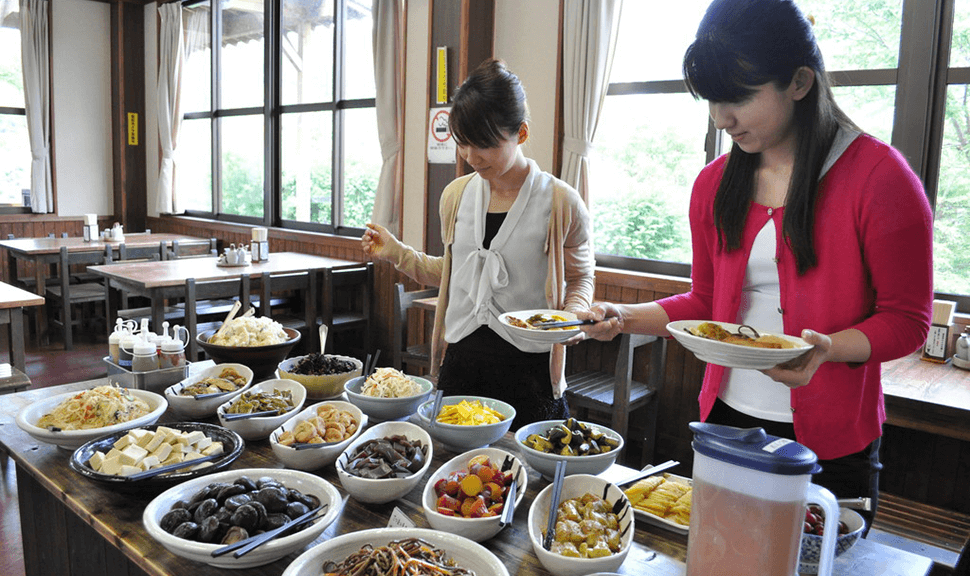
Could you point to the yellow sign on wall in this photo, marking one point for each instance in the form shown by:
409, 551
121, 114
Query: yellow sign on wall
442, 76
133, 129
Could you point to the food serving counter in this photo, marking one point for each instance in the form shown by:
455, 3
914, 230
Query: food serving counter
73, 526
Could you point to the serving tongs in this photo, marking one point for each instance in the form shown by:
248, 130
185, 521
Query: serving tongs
562, 324
152, 472
557, 482
227, 417
648, 470
508, 510
436, 407
247, 545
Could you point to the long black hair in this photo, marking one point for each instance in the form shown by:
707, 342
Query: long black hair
741, 45
489, 107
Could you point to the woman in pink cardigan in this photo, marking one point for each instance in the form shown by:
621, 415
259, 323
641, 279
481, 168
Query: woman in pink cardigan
807, 227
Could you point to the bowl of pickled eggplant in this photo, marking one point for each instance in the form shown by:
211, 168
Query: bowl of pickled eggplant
198, 518
385, 462
586, 448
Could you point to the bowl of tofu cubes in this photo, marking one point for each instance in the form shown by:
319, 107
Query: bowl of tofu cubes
148, 457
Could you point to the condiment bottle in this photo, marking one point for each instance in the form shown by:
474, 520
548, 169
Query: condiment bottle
963, 346
173, 351
114, 341
125, 348
144, 357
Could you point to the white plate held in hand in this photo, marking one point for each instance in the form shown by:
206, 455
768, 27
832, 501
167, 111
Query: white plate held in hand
538, 335
734, 355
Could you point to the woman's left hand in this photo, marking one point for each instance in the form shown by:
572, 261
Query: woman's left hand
799, 371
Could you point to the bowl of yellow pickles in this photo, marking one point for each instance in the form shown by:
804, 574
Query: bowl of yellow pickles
467, 422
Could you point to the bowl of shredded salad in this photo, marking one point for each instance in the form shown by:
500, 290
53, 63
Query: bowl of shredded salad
388, 394
72, 419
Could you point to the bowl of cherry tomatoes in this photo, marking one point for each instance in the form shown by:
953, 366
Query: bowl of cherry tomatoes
850, 526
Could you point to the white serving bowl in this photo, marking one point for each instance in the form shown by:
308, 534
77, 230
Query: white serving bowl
574, 487
463, 551
314, 458
476, 529
190, 408
28, 417
461, 438
259, 427
381, 409
545, 463
380, 491
811, 546
269, 552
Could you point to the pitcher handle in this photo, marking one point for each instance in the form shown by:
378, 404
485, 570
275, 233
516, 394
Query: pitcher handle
825, 499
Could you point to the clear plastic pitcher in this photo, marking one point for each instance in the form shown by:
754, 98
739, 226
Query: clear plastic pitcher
748, 507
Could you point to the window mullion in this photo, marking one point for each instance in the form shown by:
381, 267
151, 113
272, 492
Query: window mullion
339, 81
271, 119
216, 104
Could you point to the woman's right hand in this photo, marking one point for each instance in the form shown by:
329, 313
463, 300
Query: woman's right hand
376, 241
609, 322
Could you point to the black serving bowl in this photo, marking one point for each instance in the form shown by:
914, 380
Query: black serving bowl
232, 445
262, 360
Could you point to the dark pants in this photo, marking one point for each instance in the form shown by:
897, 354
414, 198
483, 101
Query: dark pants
852, 476
483, 364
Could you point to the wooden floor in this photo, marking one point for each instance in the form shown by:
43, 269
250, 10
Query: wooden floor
48, 365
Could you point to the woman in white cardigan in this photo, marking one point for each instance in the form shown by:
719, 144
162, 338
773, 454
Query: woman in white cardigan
515, 238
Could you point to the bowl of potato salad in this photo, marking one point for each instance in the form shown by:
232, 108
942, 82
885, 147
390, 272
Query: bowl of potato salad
258, 343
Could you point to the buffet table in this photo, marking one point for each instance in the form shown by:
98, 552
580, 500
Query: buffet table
73, 526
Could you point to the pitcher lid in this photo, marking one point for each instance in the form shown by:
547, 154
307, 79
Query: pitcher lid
754, 448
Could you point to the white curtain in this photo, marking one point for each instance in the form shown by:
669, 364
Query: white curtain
589, 41
34, 37
389, 76
170, 61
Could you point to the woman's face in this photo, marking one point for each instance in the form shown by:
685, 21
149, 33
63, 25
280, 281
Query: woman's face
491, 163
762, 122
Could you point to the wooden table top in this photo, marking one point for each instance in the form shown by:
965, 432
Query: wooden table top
13, 297
167, 273
117, 517
50, 246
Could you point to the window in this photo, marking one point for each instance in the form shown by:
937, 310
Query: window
652, 138
279, 122
14, 142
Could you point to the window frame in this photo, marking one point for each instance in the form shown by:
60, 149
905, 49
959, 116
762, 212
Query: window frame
273, 112
918, 112
14, 111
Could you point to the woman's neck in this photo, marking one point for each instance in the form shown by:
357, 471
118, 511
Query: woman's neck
773, 176
505, 189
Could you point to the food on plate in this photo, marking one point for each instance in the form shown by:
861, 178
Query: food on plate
389, 383
250, 331
662, 496
330, 424
586, 527
95, 408
388, 457
278, 400
815, 520
140, 450
533, 321
479, 491
317, 364
229, 380
223, 512
407, 556
714, 331
572, 438
467, 413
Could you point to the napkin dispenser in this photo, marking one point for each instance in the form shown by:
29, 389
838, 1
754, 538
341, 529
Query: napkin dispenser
260, 245
937, 347
90, 227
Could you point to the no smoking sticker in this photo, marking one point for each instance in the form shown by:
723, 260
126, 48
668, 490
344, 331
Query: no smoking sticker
441, 146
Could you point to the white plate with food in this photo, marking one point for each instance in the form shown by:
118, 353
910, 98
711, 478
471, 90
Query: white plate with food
736, 345
523, 323
670, 486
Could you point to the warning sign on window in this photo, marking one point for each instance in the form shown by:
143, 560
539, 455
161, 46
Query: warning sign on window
441, 146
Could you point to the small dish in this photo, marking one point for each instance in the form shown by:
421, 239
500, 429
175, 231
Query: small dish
551, 336
734, 355
260, 427
384, 490
545, 463
320, 386
811, 546
191, 407
660, 521
381, 409
314, 458
461, 438
28, 417
232, 447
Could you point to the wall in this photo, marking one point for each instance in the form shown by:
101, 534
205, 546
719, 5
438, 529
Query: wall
151, 107
80, 33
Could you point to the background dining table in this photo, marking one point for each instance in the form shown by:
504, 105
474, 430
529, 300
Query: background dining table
71, 525
159, 281
13, 300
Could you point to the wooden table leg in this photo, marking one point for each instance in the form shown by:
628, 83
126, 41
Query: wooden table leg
15, 318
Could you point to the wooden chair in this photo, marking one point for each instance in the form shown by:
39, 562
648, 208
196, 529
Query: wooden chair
346, 307
962, 567
617, 394
64, 297
413, 355
291, 300
196, 292
176, 251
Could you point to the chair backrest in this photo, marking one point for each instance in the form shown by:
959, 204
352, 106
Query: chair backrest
403, 301
178, 251
962, 567
151, 253
196, 292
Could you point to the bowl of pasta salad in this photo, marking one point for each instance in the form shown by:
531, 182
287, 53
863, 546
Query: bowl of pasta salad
72, 419
258, 343
388, 394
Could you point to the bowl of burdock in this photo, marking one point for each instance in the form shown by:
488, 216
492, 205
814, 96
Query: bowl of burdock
323, 375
